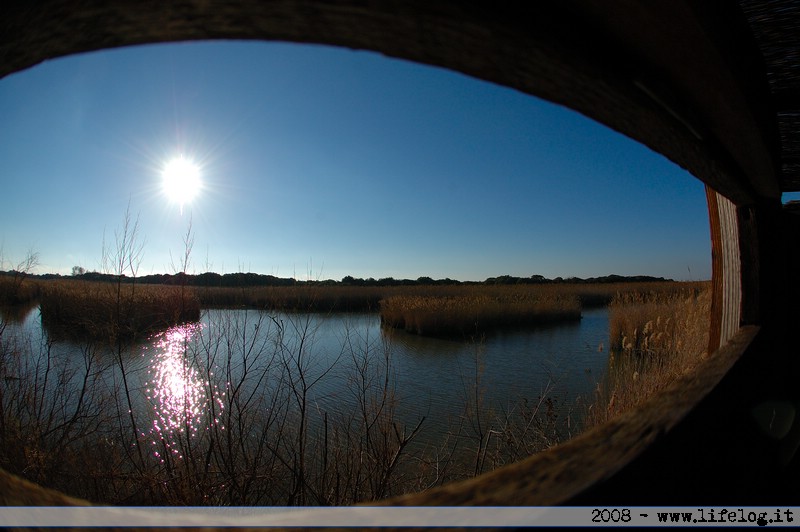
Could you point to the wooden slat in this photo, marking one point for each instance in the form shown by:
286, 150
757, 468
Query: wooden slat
726, 269
732, 275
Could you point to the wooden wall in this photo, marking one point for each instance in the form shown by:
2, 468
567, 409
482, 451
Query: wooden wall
679, 76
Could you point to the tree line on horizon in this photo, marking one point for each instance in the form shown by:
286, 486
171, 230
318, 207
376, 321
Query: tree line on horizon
255, 279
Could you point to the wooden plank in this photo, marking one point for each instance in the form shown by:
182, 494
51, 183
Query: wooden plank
726, 269
731, 269
715, 325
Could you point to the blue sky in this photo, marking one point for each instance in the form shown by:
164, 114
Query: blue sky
319, 162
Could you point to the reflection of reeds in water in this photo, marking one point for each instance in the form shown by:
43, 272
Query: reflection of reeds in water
655, 338
471, 314
17, 313
108, 311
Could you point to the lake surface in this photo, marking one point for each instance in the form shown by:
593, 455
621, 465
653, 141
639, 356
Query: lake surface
180, 378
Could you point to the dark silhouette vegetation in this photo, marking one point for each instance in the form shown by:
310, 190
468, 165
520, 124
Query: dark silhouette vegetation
237, 280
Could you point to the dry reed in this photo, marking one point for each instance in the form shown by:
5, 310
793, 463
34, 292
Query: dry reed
17, 290
655, 337
472, 314
303, 298
108, 312
319, 297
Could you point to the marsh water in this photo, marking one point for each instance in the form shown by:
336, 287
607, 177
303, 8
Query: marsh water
178, 376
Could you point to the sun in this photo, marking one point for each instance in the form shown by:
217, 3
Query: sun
181, 180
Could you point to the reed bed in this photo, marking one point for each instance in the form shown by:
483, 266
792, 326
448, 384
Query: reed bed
460, 310
110, 312
474, 314
17, 290
319, 297
655, 337
326, 298
89, 309
302, 298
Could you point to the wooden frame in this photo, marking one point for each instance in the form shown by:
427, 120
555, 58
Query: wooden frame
684, 78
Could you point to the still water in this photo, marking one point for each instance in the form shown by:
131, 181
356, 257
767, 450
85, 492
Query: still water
181, 379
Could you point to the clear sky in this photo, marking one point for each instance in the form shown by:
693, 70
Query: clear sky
319, 162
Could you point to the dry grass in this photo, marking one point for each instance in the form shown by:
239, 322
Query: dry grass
655, 337
304, 298
461, 310
17, 290
108, 312
326, 298
471, 314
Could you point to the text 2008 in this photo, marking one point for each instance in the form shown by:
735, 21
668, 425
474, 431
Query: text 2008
614, 515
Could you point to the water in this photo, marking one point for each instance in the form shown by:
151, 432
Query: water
436, 378
339, 360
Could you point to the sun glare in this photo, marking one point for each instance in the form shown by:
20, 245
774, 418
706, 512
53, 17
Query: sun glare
181, 180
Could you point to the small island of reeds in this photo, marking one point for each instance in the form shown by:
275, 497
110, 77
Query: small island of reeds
476, 313
113, 312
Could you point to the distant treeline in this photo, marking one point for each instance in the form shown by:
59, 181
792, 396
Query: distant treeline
255, 279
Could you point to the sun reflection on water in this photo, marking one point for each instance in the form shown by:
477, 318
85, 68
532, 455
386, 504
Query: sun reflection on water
179, 391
